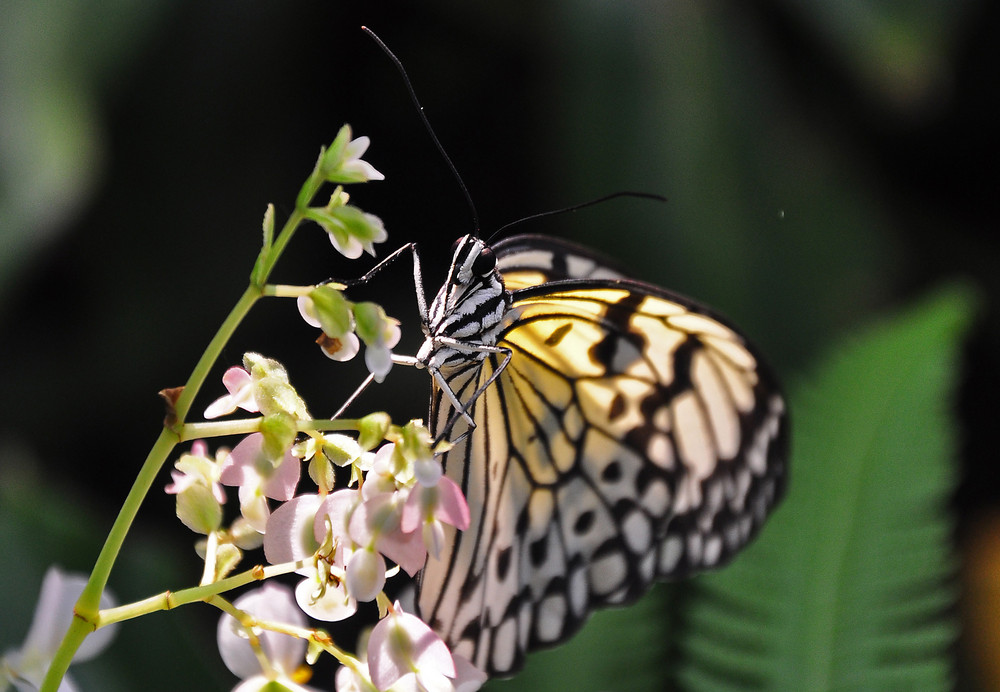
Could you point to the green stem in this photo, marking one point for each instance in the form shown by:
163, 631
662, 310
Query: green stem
211, 354
86, 612
169, 600
245, 426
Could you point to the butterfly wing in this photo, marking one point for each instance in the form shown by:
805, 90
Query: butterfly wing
531, 260
632, 436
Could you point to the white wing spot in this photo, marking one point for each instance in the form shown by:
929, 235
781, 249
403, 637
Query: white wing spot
660, 451
688, 494
713, 498
661, 419
733, 536
713, 549
578, 591
607, 573
647, 566
573, 422
541, 259
504, 644
692, 434
550, 619
579, 266
694, 547
656, 497
670, 554
638, 532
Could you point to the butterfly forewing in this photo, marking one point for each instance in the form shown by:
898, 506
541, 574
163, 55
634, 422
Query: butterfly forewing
631, 436
530, 260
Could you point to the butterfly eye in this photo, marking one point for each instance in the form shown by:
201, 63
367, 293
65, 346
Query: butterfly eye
485, 263
455, 245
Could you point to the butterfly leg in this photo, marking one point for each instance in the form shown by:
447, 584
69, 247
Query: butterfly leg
353, 397
462, 409
421, 306
418, 281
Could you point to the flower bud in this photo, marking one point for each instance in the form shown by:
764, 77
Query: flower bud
279, 433
198, 509
331, 310
372, 429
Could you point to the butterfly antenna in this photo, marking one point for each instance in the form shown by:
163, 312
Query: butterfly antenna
427, 125
605, 198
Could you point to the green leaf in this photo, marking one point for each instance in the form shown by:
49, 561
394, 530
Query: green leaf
850, 585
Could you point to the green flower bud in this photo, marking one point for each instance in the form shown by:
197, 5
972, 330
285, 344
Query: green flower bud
332, 310
198, 509
279, 433
372, 429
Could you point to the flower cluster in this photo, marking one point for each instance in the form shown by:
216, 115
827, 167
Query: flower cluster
403, 653
391, 510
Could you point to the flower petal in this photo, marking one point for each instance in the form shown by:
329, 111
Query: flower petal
270, 602
331, 605
289, 534
365, 575
378, 359
281, 485
308, 312
452, 506
402, 643
54, 613
468, 678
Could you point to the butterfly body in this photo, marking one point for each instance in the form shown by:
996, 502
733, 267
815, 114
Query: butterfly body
609, 434
468, 311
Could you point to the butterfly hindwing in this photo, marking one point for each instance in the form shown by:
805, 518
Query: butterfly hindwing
632, 436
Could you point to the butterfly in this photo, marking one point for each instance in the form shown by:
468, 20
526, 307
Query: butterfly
607, 434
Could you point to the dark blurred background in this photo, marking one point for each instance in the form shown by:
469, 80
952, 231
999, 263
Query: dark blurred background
824, 164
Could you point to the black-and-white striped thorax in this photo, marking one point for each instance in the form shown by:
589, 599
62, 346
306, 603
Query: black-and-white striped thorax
469, 311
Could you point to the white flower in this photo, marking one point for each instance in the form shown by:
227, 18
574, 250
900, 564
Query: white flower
272, 602
341, 162
26, 667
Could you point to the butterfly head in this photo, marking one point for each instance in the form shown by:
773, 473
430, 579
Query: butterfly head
472, 262
472, 304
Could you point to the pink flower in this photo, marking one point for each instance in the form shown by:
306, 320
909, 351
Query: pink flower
428, 507
259, 478
196, 468
199, 494
326, 308
239, 384
402, 644
377, 522
261, 385
365, 574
